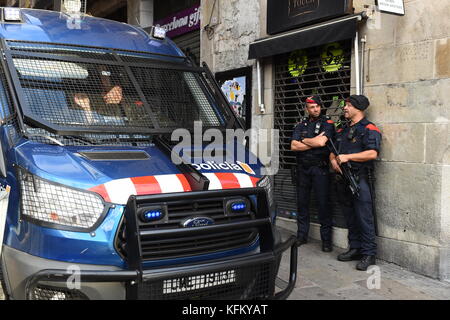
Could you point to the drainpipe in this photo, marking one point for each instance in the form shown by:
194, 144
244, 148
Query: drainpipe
262, 108
363, 49
357, 67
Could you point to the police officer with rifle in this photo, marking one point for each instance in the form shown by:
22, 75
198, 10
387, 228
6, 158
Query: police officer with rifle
356, 146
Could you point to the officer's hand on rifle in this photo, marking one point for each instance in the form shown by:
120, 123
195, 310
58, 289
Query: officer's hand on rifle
335, 164
343, 158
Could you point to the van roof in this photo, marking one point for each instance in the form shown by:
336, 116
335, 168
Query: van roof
59, 28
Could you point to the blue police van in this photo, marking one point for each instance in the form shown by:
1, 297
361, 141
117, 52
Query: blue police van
92, 205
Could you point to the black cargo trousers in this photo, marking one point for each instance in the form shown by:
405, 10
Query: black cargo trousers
314, 177
358, 212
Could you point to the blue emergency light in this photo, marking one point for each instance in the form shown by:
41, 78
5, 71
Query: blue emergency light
238, 207
152, 214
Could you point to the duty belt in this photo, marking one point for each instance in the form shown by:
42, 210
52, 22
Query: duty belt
363, 171
308, 163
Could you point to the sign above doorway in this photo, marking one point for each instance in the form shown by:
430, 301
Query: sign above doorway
283, 15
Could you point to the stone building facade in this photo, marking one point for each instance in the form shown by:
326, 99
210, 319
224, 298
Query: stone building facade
406, 75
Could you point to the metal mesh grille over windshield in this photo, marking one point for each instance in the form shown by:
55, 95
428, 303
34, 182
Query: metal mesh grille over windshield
80, 94
71, 89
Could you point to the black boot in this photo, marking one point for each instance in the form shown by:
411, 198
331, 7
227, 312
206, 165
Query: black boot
327, 246
301, 241
350, 255
365, 262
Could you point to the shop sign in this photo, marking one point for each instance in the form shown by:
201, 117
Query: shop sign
284, 15
182, 22
392, 6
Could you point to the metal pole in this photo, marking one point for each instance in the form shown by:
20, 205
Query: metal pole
357, 67
363, 49
260, 89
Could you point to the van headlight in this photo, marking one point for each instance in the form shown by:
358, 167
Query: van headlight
266, 183
57, 206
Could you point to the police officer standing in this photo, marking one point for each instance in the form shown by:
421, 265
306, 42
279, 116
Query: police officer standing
358, 144
309, 142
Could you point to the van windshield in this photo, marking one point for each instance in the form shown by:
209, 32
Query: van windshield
105, 91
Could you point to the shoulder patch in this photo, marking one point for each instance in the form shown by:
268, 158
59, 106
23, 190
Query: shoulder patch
373, 127
330, 121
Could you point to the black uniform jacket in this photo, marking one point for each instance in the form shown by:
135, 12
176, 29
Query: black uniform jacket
310, 128
360, 137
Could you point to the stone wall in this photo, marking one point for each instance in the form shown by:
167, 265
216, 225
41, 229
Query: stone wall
230, 28
407, 80
234, 24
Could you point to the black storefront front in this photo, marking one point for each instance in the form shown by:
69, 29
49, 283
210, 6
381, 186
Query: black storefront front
311, 45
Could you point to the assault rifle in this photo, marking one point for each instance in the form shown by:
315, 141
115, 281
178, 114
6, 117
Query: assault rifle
347, 172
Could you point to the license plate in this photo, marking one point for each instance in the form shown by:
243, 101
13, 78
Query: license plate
199, 282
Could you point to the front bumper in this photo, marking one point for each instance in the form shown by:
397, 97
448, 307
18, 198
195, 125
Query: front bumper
246, 276
253, 277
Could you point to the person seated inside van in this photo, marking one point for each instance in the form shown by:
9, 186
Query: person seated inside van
105, 106
101, 113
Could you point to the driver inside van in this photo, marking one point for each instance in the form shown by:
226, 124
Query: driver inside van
113, 96
109, 108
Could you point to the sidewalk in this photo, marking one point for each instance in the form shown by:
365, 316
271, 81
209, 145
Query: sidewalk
321, 277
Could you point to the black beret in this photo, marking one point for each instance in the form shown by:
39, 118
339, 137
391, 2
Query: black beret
360, 102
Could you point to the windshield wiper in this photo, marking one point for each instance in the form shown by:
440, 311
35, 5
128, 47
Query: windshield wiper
56, 141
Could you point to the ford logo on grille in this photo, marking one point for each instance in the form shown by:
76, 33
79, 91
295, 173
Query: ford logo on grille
197, 222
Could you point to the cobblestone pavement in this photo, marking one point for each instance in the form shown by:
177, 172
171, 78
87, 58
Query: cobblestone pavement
320, 276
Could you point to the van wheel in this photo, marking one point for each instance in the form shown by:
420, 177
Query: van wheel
3, 283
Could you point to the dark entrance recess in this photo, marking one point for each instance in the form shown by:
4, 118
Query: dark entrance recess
326, 71
190, 44
120, 15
